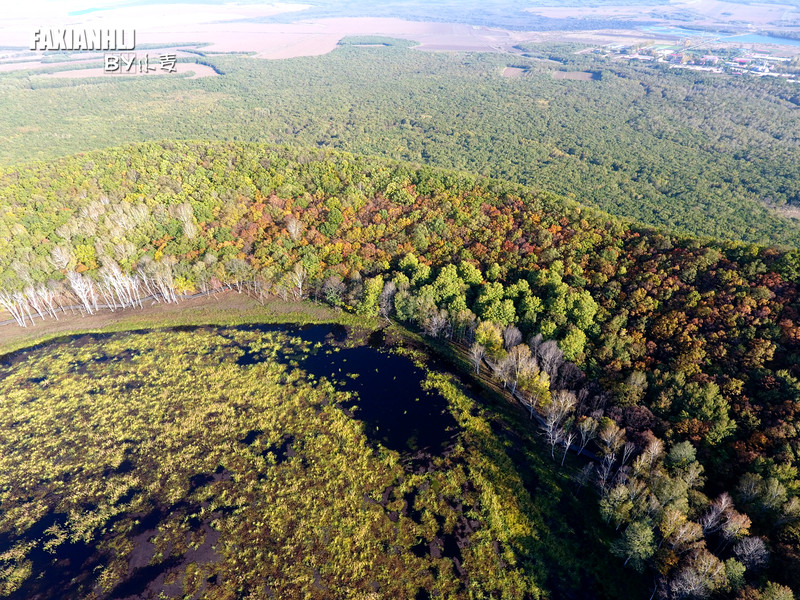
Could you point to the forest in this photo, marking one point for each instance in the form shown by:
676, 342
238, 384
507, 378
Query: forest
664, 365
699, 153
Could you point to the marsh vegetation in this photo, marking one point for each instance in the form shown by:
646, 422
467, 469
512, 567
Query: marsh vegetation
244, 462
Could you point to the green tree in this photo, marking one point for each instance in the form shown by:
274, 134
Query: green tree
368, 306
490, 336
636, 545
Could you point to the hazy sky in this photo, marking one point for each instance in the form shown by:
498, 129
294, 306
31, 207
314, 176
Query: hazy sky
46, 9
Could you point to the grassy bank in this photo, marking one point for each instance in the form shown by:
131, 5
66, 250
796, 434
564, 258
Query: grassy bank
228, 308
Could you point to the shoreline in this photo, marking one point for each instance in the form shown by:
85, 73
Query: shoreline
225, 308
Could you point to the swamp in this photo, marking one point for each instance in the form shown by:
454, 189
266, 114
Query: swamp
251, 461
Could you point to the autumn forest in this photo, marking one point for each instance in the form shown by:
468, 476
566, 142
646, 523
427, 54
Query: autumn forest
386, 323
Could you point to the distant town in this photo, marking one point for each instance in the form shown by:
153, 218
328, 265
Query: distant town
733, 61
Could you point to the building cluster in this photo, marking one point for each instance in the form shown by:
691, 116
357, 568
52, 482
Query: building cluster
730, 61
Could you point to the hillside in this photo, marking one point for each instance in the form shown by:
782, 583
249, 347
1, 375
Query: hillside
688, 151
676, 359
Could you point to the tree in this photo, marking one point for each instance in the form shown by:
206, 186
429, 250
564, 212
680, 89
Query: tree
333, 290
671, 521
469, 273
535, 387
476, 354
734, 573
120, 289
686, 534
734, 526
569, 438
16, 306
61, 256
573, 343
368, 307
436, 323
184, 213
611, 435
751, 552
550, 357
516, 363
702, 575
653, 452
157, 278
681, 455
633, 389
706, 404
488, 335
616, 506
298, 278
83, 287
775, 591
636, 546
386, 299
293, 227
587, 428
238, 272
555, 412
712, 520
512, 337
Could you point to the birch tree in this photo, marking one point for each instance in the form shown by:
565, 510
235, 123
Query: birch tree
298, 279
11, 303
83, 288
476, 354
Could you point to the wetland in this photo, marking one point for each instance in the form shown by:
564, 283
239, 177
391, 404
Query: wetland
251, 461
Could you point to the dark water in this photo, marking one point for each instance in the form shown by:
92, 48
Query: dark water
389, 400
388, 395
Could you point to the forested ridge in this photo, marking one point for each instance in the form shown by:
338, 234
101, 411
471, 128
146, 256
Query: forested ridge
694, 152
674, 360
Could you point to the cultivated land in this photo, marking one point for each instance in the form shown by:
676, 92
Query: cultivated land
514, 72
574, 75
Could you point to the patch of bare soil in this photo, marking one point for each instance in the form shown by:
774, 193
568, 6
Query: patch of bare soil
514, 72
789, 210
574, 75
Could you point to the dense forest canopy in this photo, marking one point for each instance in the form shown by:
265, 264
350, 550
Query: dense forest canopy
680, 357
701, 153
